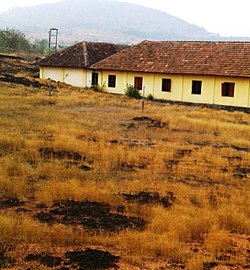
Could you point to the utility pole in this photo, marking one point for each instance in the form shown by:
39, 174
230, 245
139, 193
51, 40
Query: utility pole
53, 38
143, 97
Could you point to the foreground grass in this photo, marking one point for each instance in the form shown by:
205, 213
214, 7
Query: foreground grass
200, 155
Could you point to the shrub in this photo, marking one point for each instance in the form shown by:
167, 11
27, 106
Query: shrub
150, 97
131, 91
100, 88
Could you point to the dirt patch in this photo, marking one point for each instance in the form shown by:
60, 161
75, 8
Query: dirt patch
150, 198
91, 215
144, 121
91, 259
44, 259
150, 122
10, 202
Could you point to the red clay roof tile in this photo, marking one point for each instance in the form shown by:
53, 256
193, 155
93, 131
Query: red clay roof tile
81, 55
182, 57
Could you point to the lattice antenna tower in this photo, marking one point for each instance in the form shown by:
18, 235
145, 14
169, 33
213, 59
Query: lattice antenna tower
53, 38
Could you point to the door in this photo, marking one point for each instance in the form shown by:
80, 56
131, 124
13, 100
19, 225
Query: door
94, 81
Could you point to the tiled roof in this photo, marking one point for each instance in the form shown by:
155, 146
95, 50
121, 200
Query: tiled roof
182, 57
82, 54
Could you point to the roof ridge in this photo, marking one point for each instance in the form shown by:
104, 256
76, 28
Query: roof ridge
192, 41
85, 54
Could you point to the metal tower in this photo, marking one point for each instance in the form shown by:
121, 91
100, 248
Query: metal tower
53, 38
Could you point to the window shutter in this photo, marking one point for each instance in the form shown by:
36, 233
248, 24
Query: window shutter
231, 90
223, 87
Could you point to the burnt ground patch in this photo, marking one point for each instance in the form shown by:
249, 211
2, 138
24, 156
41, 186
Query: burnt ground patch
90, 215
241, 172
178, 156
72, 158
44, 259
150, 198
209, 265
48, 153
92, 259
13, 64
134, 142
131, 167
10, 202
20, 80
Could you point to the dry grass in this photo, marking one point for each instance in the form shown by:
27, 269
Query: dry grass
201, 155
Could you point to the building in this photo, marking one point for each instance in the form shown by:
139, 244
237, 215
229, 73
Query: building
197, 72
71, 65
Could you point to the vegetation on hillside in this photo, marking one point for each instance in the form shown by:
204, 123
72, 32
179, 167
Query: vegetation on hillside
12, 40
117, 22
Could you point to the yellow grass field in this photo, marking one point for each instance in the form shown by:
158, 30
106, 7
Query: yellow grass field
167, 188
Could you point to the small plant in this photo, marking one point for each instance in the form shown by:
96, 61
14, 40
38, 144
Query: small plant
5, 247
131, 91
100, 88
150, 97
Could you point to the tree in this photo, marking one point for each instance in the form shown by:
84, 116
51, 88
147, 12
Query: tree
41, 46
14, 40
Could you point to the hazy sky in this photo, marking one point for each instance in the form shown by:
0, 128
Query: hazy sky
228, 18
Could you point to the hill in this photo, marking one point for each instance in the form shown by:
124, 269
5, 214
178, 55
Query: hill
102, 20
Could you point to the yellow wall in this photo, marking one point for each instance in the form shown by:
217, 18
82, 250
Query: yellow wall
207, 89
241, 92
52, 73
181, 87
74, 76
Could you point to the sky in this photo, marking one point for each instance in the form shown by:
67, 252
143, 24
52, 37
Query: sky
224, 17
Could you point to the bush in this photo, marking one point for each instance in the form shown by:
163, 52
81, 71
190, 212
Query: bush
131, 91
99, 88
150, 97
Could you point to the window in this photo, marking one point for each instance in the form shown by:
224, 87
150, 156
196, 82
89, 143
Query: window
112, 81
227, 89
166, 85
138, 83
196, 87
94, 79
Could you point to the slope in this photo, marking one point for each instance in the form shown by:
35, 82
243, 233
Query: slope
103, 20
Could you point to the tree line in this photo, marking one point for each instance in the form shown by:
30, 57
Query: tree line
12, 40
